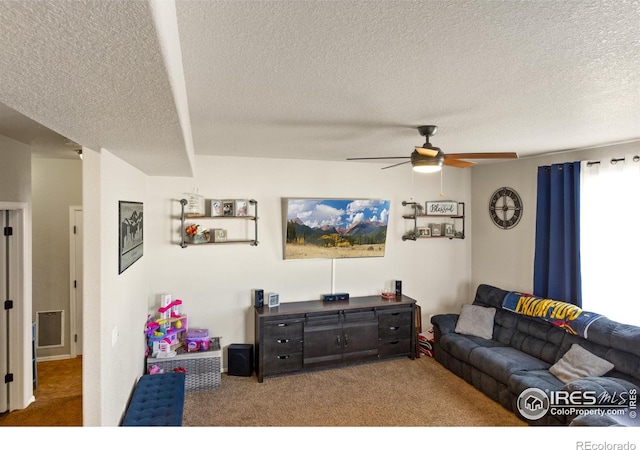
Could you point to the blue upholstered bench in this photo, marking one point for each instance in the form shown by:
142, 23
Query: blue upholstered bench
157, 400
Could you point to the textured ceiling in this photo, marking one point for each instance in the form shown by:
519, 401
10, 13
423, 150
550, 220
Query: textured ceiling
156, 82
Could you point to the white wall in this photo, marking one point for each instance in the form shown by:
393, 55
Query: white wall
504, 258
215, 282
56, 185
15, 171
112, 301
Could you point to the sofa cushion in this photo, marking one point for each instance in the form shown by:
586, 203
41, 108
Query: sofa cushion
579, 363
501, 362
476, 321
541, 379
461, 345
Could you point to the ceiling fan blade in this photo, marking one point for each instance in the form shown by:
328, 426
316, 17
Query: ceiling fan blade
379, 157
399, 164
460, 163
494, 155
431, 152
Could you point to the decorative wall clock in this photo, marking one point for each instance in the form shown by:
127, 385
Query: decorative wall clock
505, 208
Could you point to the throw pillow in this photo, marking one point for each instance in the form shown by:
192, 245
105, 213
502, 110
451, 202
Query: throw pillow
578, 363
476, 321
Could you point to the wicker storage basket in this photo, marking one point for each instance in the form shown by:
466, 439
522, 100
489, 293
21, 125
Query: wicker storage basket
203, 369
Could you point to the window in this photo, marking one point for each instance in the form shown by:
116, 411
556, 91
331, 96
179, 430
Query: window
610, 245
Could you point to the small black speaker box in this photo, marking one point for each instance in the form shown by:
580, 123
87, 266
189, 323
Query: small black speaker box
258, 297
398, 288
240, 360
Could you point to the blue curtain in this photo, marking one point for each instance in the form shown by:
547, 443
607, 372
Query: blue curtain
556, 270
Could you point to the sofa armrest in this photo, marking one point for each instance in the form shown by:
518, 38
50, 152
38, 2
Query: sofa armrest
608, 390
444, 323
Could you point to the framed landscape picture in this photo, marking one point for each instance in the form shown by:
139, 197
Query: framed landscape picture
334, 228
131, 236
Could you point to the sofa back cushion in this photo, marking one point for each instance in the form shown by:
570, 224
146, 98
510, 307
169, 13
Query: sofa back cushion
530, 335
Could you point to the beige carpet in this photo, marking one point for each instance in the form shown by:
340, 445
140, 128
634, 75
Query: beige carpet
398, 392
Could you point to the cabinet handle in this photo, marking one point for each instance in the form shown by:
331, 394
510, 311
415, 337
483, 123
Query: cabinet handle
282, 324
282, 341
394, 342
283, 356
346, 340
394, 328
338, 338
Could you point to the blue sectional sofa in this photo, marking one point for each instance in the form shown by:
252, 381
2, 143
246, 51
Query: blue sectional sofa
518, 362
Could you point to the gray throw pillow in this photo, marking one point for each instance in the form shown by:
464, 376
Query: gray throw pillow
476, 321
578, 363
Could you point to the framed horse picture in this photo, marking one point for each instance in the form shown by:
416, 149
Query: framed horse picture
131, 234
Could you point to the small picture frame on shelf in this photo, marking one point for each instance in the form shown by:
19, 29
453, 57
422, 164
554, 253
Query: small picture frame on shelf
436, 229
423, 232
449, 231
228, 208
214, 208
242, 207
218, 235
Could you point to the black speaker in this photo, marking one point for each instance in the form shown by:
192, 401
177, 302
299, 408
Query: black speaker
258, 297
240, 360
398, 288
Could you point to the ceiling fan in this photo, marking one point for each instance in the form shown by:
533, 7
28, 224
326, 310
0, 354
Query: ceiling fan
427, 159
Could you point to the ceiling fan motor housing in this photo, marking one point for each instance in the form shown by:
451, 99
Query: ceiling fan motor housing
421, 160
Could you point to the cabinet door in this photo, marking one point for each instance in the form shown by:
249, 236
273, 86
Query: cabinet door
360, 336
322, 340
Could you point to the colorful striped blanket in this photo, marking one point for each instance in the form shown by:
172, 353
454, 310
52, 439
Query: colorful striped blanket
570, 317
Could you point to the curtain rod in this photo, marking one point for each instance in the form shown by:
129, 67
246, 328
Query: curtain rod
636, 158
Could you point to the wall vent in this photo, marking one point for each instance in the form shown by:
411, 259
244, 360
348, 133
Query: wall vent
50, 329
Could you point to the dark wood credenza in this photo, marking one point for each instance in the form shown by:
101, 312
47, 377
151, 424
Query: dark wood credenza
307, 335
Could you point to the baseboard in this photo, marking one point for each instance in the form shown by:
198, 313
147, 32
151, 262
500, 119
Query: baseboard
52, 358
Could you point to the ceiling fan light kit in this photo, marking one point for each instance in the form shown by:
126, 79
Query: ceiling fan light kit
427, 169
430, 159
426, 164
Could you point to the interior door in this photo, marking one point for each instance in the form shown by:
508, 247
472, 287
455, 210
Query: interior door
76, 284
4, 320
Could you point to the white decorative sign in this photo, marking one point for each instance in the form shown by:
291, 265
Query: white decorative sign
444, 208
